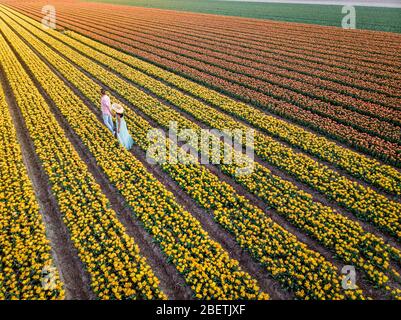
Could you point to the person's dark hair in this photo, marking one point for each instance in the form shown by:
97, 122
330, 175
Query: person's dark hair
120, 114
102, 91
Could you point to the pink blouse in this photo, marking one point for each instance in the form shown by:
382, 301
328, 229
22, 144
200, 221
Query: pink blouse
105, 103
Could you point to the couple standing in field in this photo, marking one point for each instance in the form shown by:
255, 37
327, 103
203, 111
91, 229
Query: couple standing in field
120, 130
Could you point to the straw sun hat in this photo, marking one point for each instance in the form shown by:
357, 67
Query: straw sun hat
117, 108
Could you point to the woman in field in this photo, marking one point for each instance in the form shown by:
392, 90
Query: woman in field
122, 133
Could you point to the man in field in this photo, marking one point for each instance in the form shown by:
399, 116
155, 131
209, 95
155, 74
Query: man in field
106, 110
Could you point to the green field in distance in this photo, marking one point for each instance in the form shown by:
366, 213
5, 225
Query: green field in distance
373, 18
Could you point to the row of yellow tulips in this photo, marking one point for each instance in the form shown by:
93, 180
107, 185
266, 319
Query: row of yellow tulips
25, 251
364, 202
358, 165
324, 223
110, 257
205, 265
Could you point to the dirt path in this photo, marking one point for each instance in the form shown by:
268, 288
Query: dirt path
72, 273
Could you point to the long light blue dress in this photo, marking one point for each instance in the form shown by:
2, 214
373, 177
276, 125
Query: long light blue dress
124, 137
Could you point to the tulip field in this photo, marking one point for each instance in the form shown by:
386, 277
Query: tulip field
81, 217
